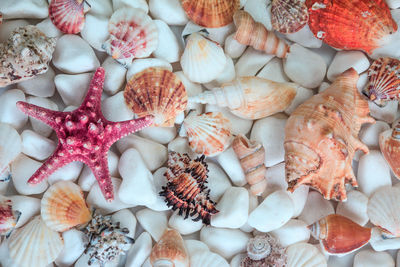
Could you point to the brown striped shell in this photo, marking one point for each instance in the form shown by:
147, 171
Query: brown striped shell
288, 16
67, 15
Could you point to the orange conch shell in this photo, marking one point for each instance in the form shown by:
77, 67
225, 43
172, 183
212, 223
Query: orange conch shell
249, 32
340, 235
389, 142
351, 25
321, 137
288, 16
252, 156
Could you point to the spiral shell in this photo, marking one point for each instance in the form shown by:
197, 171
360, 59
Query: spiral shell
288, 16
67, 15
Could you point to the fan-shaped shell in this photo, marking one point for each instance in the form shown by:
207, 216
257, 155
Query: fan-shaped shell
35, 244
158, 92
211, 13
64, 207
8, 216
304, 255
67, 15
288, 16
207, 258
133, 34
10, 148
351, 25
389, 143
202, 60
208, 133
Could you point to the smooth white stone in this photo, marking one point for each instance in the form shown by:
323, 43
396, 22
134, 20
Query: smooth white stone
137, 187
69, 172
37, 125
362, 82
253, 204
74, 245
42, 85
237, 260
9, 113
316, 208
391, 49
272, 213
302, 95
139, 251
344, 60
369, 133
184, 226
326, 52
36, 146
323, 86
170, 11
4, 187
141, 64
8, 26
276, 179
274, 71
127, 220
355, 208
74, 55
22, 169
370, 258
73, 88
194, 246
299, 198
159, 181
32, 9
218, 181
28, 206
292, 232
387, 113
373, 172
305, 67
260, 10
379, 243
115, 109
225, 242
154, 222
153, 154
251, 62
97, 200
95, 31
115, 76
140, 4
48, 28
162, 135
192, 89
269, 132
101, 8
168, 45
393, 4
181, 145
220, 34
207, 258
227, 75
304, 37
231, 164
342, 261
233, 48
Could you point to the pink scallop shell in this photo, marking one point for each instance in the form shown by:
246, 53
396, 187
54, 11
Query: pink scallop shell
67, 15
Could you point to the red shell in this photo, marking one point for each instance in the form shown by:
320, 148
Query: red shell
67, 15
351, 24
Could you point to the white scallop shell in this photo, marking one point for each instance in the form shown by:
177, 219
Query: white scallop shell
207, 258
203, 60
10, 147
304, 255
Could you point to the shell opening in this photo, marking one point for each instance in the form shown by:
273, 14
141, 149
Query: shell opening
163, 263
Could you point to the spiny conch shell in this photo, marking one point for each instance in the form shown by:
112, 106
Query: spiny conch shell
26, 53
384, 211
321, 137
288, 16
10, 148
8, 216
67, 15
252, 156
203, 59
339, 235
169, 251
133, 34
64, 207
351, 25
35, 244
304, 255
209, 133
389, 143
384, 81
158, 92
250, 97
250, 32
211, 13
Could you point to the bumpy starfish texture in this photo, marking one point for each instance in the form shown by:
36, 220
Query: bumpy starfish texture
84, 135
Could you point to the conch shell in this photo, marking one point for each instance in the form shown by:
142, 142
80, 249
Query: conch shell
321, 137
389, 143
250, 97
252, 156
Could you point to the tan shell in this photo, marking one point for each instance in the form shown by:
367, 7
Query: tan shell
321, 137
288, 16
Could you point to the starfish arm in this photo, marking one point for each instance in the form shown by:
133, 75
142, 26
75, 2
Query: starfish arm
92, 100
43, 114
117, 130
102, 175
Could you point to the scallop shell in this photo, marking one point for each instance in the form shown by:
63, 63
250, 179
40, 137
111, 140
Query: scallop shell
67, 15
169, 251
384, 80
339, 235
202, 60
158, 92
321, 137
35, 245
211, 13
8, 216
389, 143
207, 258
288, 16
209, 133
351, 25
10, 148
133, 34
304, 255
384, 211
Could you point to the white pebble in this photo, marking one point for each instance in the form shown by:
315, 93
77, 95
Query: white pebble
229, 161
28, 206
101, 7
115, 76
251, 62
37, 125
48, 28
237, 260
302, 95
369, 133
387, 113
162, 135
381, 243
260, 10
355, 208
227, 75
273, 71
36, 146
393, 4
253, 204
154, 222
218, 181
159, 181
95, 31
305, 37
181, 145
9, 113
127, 220
139, 251
194, 246
275, 179
370, 258
292, 232
233, 48
344, 60
342, 261
8, 26
32, 9
170, 11
220, 34
168, 45
73, 88
141, 64
69, 172
299, 198
184, 226
323, 87
192, 89
316, 208
326, 52
42, 85
74, 245
115, 109
140, 4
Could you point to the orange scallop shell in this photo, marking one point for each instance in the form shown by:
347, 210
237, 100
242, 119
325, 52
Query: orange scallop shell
288, 16
351, 24
67, 15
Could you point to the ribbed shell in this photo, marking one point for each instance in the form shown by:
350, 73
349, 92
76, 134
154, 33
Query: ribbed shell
10, 146
208, 133
304, 255
288, 16
389, 143
64, 207
8, 217
258, 247
158, 92
133, 34
207, 258
67, 15
211, 13
35, 245
351, 25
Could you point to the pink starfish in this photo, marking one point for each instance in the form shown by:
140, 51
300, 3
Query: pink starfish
84, 135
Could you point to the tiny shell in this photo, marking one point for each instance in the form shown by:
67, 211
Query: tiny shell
258, 247
288, 16
8, 216
304, 255
389, 143
340, 235
67, 15
10, 148
157, 92
211, 13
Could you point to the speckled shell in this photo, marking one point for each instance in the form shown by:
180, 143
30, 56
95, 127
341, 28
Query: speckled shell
8, 216
304, 255
133, 34
35, 244
67, 15
211, 13
340, 235
351, 25
169, 251
26, 53
249, 32
63, 206
321, 137
158, 92
209, 133
288, 16
10, 148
